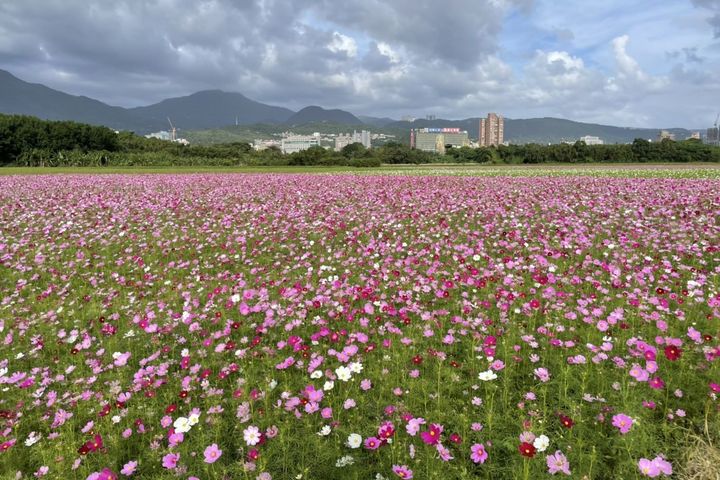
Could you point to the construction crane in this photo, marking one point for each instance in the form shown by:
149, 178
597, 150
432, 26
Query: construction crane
173, 130
717, 131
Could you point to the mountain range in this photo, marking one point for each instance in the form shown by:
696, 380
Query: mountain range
211, 109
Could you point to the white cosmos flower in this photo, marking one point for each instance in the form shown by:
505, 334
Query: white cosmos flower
541, 443
193, 419
487, 376
182, 425
251, 435
328, 385
356, 367
325, 431
354, 440
32, 439
316, 374
343, 373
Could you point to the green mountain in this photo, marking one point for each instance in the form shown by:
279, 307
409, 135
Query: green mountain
23, 98
214, 109
546, 130
315, 114
211, 109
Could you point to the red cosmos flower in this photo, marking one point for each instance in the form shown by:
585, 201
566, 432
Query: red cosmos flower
91, 445
455, 438
566, 421
171, 408
672, 352
417, 359
527, 450
253, 454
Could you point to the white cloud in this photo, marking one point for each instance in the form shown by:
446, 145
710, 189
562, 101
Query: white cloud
343, 43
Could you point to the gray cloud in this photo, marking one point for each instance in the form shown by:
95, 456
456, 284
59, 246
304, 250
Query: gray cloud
381, 57
714, 21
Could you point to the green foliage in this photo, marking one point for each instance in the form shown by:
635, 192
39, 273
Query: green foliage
639, 151
20, 135
31, 142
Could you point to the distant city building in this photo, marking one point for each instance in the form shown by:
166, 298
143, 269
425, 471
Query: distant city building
438, 139
713, 136
431, 118
298, 143
591, 140
491, 130
343, 140
694, 136
260, 144
407, 118
167, 136
664, 134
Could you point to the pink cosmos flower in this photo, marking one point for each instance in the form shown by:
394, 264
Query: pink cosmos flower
478, 453
542, 374
558, 463
129, 468
212, 453
170, 460
413, 426
648, 468
402, 471
663, 465
622, 422
444, 452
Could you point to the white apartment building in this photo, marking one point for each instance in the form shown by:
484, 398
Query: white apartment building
590, 140
298, 143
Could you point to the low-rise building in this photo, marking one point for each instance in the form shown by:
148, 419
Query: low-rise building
591, 140
298, 143
343, 140
438, 139
665, 135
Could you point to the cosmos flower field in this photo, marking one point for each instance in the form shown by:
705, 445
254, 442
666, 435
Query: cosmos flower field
357, 327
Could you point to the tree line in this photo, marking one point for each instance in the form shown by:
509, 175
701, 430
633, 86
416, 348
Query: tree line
29, 141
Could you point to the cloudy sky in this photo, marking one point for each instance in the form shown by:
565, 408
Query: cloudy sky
653, 63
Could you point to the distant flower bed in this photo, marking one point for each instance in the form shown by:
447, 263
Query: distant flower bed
355, 326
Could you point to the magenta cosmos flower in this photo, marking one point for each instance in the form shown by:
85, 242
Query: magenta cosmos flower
622, 422
212, 453
478, 453
432, 436
402, 471
372, 443
558, 463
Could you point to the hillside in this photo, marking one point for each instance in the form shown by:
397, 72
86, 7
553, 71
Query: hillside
315, 114
23, 98
211, 109
546, 130
214, 109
